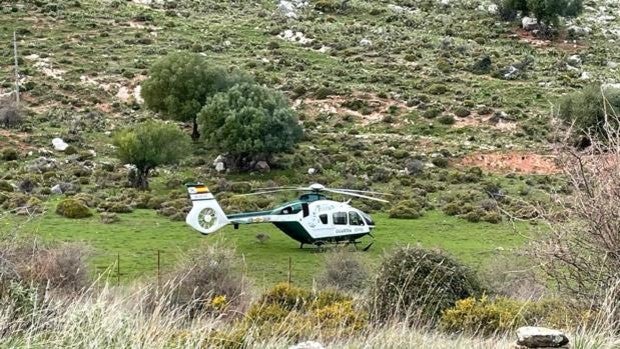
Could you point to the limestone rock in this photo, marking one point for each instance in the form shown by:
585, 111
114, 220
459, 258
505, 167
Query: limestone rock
574, 60
287, 9
311, 170
56, 189
529, 23
365, 42
307, 345
220, 167
59, 144
262, 166
540, 337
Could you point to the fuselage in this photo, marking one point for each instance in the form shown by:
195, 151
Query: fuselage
313, 219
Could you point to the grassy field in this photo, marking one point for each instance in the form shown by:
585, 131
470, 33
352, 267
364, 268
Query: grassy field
139, 235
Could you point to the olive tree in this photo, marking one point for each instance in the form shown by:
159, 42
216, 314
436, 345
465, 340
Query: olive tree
181, 83
545, 11
250, 122
149, 145
590, 110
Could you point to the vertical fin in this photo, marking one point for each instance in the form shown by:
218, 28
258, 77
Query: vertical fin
206, 215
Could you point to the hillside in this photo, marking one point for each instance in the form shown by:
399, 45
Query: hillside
408, 97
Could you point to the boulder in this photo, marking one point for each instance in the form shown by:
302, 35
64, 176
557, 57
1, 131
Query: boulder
311, 170
529, 23
56, 189
262, 166
59, 144
287, 9
307, 345
220, 167
365, 42
540, 337
574, 60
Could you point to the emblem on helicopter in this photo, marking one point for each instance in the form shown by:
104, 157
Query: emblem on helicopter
312, 219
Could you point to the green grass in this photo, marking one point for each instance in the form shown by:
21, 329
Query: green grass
138, 237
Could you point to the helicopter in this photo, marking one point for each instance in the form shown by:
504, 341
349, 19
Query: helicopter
313, 219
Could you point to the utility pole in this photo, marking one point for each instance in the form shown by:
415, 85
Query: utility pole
16, 69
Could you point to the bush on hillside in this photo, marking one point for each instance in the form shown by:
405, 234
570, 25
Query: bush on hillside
72, 208
9, 154
591, 110
209, 277
407, 209
344, 270
545, 11
416, 284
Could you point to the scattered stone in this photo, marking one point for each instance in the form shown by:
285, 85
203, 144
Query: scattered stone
219, 163
612, 65
398, 9
492, 9
574, 60
56, 189
262, 166
365, 42
287, 9
311, 171
307, 345
529, 23
59, 144
541, 337
290, 35
585, 76
579, 31
445, 2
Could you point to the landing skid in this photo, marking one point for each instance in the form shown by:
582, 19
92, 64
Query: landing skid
320, 245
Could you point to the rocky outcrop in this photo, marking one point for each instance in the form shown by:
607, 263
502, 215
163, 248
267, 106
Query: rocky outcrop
540, 337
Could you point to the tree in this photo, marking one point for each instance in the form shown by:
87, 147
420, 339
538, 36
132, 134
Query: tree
250, 122
180, 84
591, 110
149, 145
545, 11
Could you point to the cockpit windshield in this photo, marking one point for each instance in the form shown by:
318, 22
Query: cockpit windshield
368, 219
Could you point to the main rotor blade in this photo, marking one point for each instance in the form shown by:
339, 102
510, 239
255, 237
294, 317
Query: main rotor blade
267, 192
274, 188
356, 195
362, 191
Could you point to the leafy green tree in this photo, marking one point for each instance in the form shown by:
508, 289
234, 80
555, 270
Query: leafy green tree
149, 145
250, 122
591, 110
181, 83
545, 11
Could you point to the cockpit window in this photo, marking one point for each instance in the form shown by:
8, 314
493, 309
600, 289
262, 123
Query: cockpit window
340, 218
291, 209
323, 218
355, 219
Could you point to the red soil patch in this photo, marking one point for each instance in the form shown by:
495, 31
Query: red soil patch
15, 139
561, 42
512, 162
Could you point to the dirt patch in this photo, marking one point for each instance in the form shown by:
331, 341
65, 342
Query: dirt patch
475, 120
561, 42
376, 107
15, 139
520, 162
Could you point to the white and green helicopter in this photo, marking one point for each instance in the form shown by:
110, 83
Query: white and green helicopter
313, 219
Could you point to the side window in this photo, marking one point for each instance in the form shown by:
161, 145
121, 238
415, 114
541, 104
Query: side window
340, 218
355, 219
323, 218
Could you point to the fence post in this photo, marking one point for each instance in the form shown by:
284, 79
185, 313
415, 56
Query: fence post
118, 269
290, 264
158, 269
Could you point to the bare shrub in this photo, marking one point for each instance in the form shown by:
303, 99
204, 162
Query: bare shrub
416, 285
10, 114
581, 252
62, 267
344, 270
513, 275
208, 273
